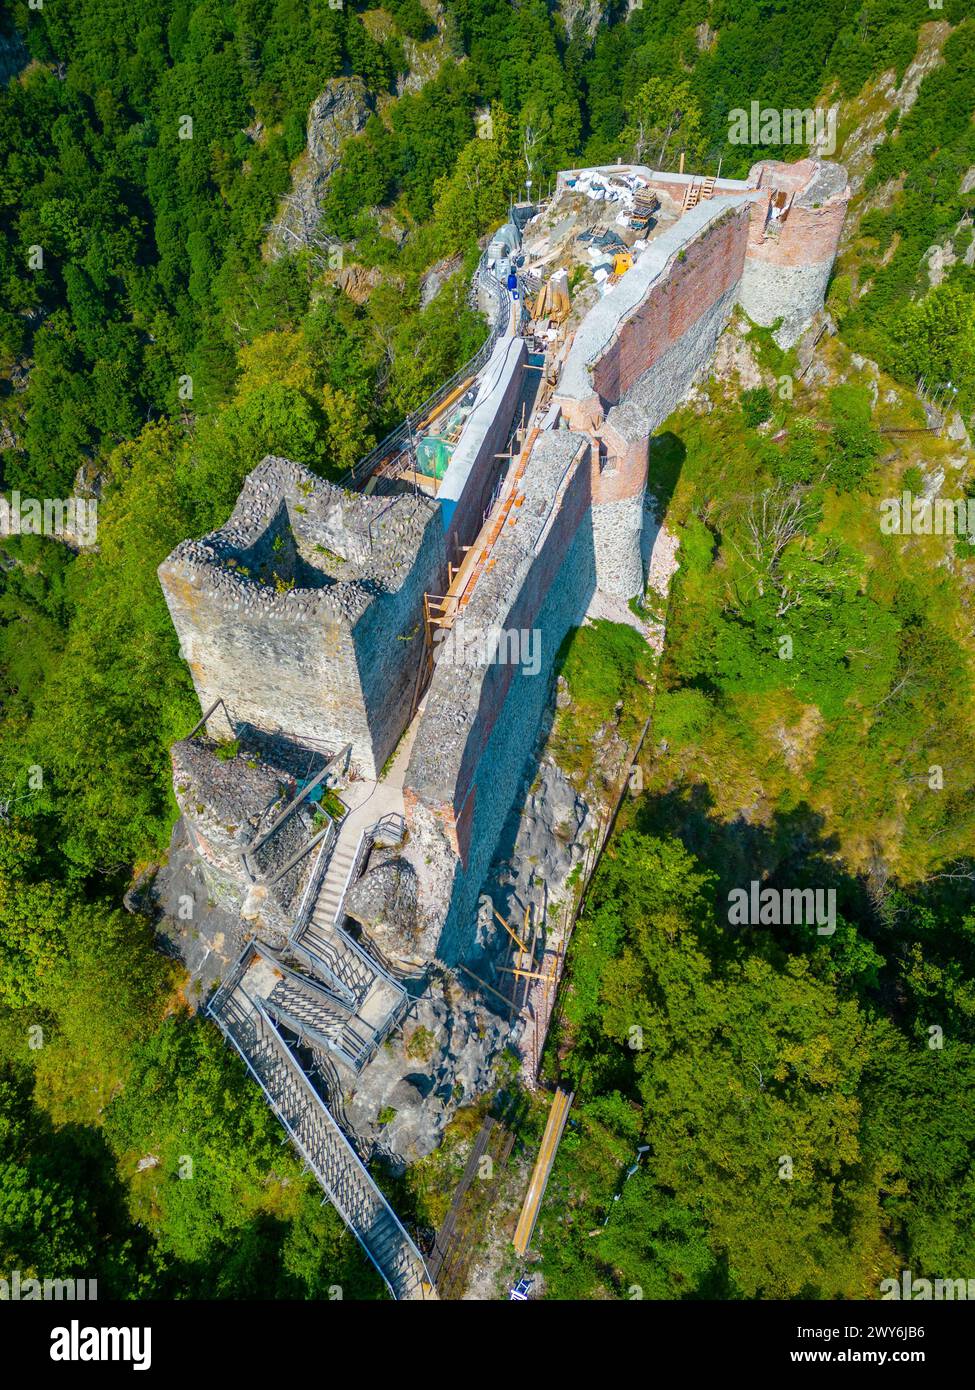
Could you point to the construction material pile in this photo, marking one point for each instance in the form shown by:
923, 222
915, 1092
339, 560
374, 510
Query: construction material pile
552, 301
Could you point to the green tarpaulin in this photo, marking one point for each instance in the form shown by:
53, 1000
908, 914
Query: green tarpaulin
433, 456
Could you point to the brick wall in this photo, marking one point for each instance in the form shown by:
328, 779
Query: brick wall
705, 269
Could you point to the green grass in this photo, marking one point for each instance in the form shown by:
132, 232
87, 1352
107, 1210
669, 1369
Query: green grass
605, 665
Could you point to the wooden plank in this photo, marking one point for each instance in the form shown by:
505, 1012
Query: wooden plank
557, 1117
485, 985
510, 930
524, 974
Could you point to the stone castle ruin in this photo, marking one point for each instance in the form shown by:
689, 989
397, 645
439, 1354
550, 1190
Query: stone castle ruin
373, 712
301, 556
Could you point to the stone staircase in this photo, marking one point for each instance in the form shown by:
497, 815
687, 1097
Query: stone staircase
321, 1143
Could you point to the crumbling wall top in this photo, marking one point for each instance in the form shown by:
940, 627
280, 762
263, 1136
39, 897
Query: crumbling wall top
299, 546
813, 182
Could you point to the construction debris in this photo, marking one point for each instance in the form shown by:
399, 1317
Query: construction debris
552, 301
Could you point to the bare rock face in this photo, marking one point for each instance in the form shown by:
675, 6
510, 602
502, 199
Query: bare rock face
339, 113
940, 260
384, 902
443, 1059
358, 282
436, 277
551, 830
734, 359
704, 36
587, 13
425, 57
870, 131
958, 432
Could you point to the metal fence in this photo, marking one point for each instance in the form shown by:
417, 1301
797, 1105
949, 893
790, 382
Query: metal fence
402, 437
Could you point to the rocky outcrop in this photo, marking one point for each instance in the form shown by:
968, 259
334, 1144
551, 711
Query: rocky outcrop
441, 1060
384, 903
436, 277
339, 113
358, 282
880, 97
586, 14
425, 57
551, 830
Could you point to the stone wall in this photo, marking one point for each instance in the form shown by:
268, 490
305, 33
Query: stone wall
226, 804
482, 719
305, 614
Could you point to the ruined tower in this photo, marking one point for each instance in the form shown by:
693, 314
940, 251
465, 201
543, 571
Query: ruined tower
796, 223
304, 613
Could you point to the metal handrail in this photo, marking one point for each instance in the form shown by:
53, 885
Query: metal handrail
334, 1130
314, 883
203, 719
363, 467
361, 851
303, 795
392, 820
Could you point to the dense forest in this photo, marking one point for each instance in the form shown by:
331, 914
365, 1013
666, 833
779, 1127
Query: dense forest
153, 346
806, 1100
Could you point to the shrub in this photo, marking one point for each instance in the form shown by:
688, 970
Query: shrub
756, 405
